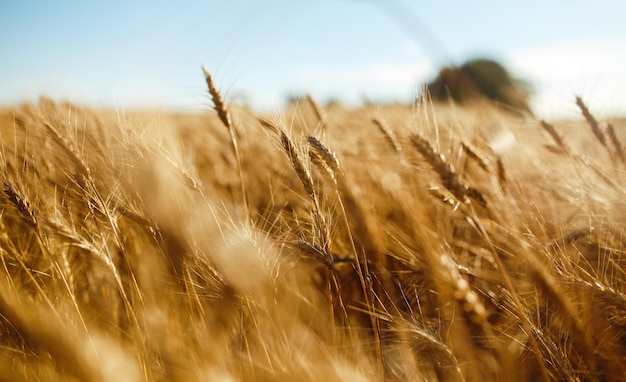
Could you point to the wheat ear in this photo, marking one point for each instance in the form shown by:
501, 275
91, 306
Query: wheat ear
616, 142
327, 158
73, 155
224, 115
389, 135
473, 154
304, 176
564, 148
556, 137
21, 203
448, 176
593, 123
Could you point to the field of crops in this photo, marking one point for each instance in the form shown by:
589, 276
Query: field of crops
415, 242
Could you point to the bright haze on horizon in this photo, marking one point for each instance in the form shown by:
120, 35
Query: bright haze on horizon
143, 54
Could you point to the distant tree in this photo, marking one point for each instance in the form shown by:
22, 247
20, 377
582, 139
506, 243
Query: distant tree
481, 79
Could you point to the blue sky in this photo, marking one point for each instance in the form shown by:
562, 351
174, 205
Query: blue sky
148, 53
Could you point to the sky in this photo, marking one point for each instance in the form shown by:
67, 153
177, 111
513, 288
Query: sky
126, 54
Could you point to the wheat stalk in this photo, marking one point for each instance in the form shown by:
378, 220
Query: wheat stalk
224, 115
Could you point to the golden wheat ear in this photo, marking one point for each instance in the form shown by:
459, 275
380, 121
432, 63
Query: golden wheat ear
21, 203
616, 142
447, 174
390, 136
556, 137
218, 101
224, 115
593, 123
329, 160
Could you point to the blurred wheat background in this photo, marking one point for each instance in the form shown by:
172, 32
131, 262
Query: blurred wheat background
458, 235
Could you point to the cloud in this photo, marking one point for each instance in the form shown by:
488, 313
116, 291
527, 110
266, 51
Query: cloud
557, 72
592, 69
378, 81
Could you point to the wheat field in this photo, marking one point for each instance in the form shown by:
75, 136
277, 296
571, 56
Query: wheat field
424, 242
